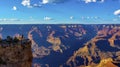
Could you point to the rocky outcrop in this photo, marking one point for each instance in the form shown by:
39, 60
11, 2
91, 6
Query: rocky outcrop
55, 41
16, 55
104, 63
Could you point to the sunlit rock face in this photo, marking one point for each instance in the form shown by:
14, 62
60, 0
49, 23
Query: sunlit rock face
15, 54
101, 51
55, 41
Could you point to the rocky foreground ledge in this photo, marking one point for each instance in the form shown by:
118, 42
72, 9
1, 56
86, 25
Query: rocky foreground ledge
15, 52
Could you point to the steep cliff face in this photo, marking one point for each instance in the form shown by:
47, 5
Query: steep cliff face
101, 51
17, 55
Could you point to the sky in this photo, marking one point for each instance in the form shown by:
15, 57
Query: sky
59, 11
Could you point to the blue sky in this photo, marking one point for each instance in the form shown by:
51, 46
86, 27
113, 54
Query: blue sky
59, 11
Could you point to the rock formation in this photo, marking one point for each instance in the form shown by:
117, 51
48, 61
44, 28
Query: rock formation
101, 51
15, 53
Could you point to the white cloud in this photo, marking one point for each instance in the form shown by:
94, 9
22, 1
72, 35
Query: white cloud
45, 1
14, 8
102, 1
89, 17
94, 1
11, 19
96, 17
52, 1
26, 3
71, 17
47, 18
89, 1
117, 12
36, 5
